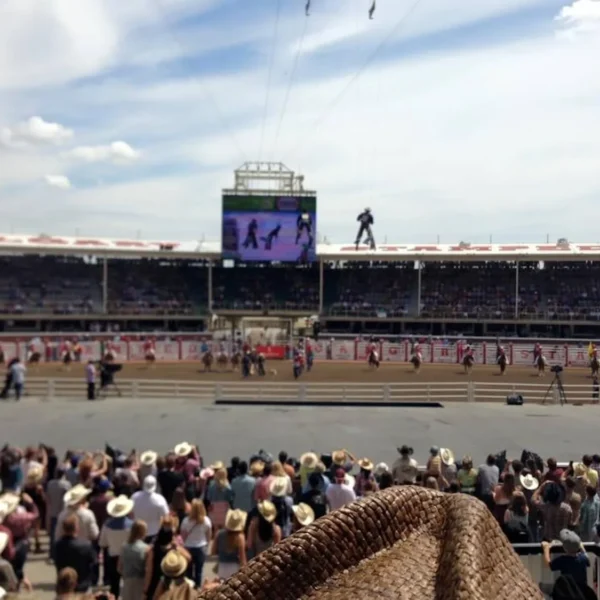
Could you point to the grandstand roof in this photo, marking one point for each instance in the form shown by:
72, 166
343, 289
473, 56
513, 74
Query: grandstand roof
41, 244
461, 252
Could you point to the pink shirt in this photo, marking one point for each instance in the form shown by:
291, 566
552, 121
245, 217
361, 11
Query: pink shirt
262, 491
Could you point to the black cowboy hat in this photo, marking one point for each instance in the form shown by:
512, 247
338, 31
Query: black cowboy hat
405, 450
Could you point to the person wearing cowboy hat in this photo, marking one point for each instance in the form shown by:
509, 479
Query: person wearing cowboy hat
76, 503
173, 567
314, 496
150, 507
365, 478
303, 516
113, 535
263, 531
283, 503
308, 463
341, 459
405, 469
147, 464
229, 545
341, 491
449, 469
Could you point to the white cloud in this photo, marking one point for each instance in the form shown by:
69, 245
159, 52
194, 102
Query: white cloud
117, 152
35, 131
583, 16
58, 181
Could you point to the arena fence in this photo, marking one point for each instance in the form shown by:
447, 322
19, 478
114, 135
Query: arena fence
300, 393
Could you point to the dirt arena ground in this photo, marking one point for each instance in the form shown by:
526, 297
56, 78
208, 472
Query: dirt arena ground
330, 371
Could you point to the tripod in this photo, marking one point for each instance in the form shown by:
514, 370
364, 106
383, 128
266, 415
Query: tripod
557, 386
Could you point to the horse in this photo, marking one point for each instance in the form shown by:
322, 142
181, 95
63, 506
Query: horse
207, 361
468, 361
595, 366
540, 364
236, 360
67, 358
222, 360
34, 357
150, 358
416, 362
373, 360
109, 356
502, 362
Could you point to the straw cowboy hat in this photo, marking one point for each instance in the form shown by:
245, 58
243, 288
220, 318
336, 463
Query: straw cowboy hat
206, 473
173, 564
447, 456
35, 474
8, 505
267, 510
580, 470
76, 495
257, 468
365, 464
120, 506
309, 460
235, 520
217, 466
3, 541
529, 482
304, 514
183, 449
338, 457
148, 458
278, 487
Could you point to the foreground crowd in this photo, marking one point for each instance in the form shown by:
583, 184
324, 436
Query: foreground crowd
143, 526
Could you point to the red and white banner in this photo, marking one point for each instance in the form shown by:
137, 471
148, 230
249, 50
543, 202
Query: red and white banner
167, 350
522, 354
272, 352
90, 351
191, 350
394, 352
342, 350
319, 350
10, 350
444, 353
578, 357
136, 351
120, 350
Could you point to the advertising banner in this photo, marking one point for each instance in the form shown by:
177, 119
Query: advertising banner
444, 353
90, 351
10, 350
522, 354
190, 350
342, 350
136, 351
119, 349
393, 352
319, 350
167, 350
578, 356
272, 352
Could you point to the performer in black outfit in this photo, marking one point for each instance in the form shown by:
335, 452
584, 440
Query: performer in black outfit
272, 235
366, 221
251, 235
304, 222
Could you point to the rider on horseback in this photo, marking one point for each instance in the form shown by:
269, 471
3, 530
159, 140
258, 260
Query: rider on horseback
310, 355
298, 363
372, 354
537, 353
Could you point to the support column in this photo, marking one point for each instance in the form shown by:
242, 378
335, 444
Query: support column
105, 285
321, 285
210, 287
517, 290
419, 289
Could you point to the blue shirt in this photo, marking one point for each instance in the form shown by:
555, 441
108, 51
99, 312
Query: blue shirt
574, 565
242, 487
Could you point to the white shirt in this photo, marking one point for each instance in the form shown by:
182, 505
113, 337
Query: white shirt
195, 534
18, 373
405, 470
113, 539
339, 494
88, 526
150, 508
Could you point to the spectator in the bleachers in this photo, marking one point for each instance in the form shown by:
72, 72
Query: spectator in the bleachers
132, 563
196, 531
242, 487
308, 463
467, 476
263, 531
283, 503
488, 476
150, 506
549, 499
589, 515
229, 545
341, 491
364, 477
573, 563
219, 496
405, 469
315, 496
504, 494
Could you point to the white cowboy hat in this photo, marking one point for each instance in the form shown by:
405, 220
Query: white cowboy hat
349, 481
3, 541
183, 449
8, 505
278, 487
149, 484
173, 564
35, 474
76, 495
381, 468
304, 514
309, 460
529, 482
235, 520
148, 458
267, 510
120, 506
447, 456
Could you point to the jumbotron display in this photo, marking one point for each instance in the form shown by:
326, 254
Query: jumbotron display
269, 228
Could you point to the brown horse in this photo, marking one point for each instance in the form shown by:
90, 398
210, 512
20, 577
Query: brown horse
222, 360
416, 362
236, 360
595, 366
502, 362
207, 361
468, 361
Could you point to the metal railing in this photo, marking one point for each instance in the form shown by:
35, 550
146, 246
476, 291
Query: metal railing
254, 390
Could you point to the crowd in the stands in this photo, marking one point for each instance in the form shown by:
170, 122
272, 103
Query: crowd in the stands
143, 526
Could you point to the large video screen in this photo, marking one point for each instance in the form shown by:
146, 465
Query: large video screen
269, 228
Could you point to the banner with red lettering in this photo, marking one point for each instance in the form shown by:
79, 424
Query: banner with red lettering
272, 352
167, 350
444, 353
342, 350
10, 350
90, 351
136, 351
578, 356
190, 350
393, 352
522, 354
319, 350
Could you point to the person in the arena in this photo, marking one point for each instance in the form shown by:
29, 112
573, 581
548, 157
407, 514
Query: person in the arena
149, 351
372, 353
298, 363
537, 352
271, 237
310, 355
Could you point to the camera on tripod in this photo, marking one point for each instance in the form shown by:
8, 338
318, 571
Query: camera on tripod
556, 369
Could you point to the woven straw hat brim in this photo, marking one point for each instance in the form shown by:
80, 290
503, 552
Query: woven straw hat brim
375, 548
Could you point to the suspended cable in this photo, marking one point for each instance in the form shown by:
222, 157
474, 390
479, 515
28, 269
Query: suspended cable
204, 87
270, 73
333, 104
290, 85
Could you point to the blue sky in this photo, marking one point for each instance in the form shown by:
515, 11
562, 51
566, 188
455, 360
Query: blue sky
472, 119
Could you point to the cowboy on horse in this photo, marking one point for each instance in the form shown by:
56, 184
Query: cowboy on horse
33, 354
149, 351
66, 354
372, 354
416, 356
310, 355
468, 358
222, 356
594, 362
501, 359
539, 360
297, 363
